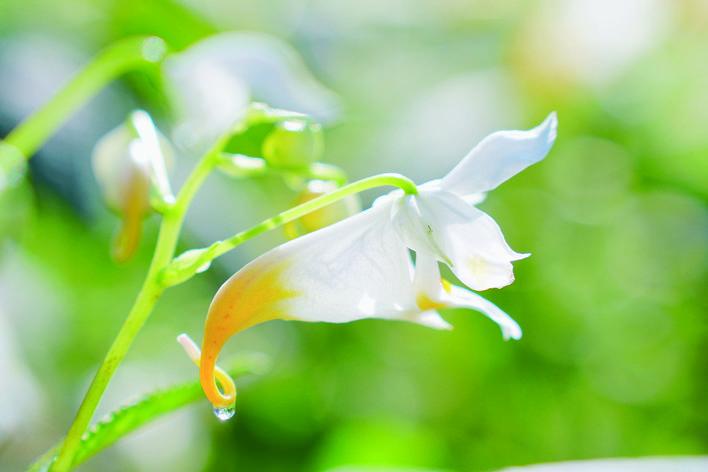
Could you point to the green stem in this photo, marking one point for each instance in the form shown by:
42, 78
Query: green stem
117, 59
322, 171
147, 298
394, 180
129, 418
179, 272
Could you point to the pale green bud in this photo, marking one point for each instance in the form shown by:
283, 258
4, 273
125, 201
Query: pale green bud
293, 144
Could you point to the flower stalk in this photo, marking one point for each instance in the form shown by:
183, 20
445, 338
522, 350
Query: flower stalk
114, 61
147, 298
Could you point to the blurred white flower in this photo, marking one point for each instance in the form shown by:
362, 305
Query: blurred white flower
130, 164
213, 81
593, 41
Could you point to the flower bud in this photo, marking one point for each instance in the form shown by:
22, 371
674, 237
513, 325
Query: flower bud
124, 166
293, 144
335, 211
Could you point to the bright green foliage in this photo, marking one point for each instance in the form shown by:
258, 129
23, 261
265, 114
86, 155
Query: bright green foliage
148, 408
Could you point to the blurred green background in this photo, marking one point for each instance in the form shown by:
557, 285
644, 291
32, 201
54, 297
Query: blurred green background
612, 302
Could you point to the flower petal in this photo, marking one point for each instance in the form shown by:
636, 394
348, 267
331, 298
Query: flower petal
418, 232
468, 239
429, 318
433, 293
460, 297
357, 268
427, 283
499, 157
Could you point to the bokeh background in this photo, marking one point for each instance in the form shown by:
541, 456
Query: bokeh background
612, 302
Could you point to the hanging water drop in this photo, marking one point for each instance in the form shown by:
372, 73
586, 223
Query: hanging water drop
204, 267
225, 413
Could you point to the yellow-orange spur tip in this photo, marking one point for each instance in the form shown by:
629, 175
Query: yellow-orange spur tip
219, 399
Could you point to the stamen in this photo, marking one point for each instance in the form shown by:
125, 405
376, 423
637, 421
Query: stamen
191, 347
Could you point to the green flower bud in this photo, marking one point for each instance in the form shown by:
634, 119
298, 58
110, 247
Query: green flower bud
293, 144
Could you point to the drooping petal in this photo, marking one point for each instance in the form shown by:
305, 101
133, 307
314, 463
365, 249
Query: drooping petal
432, 293
357, 268
500, 156
459, 297
465, 238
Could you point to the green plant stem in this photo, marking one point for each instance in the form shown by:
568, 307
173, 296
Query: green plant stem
178, 273
117, 59
147, 298
128, 418
294, 213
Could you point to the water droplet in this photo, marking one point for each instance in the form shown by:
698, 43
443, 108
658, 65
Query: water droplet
204, 267
225, 413
154, 49
13, 166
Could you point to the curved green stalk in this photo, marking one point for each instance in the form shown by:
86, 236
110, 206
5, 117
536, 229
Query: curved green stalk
394, 180
188, 263
117, 59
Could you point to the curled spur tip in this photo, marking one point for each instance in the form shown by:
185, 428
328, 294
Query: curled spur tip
209, 375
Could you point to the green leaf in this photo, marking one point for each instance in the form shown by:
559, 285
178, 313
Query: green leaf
128, 418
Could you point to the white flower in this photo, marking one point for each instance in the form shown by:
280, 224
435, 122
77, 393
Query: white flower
129, 162
361, 267
213, 81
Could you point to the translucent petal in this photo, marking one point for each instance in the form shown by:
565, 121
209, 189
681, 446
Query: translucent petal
427, 282
416, 231
429, 318
431, 292
467, 239
499, 157
357, 268
460, 297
